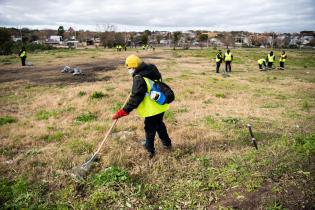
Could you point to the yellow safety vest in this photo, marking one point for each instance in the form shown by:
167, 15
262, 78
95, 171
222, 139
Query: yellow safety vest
260, 61
23, 54
270, 58
217, 59
228, 57
282, 58
149, 107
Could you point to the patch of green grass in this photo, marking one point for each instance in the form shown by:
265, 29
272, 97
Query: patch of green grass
33, 152
220, 95
306, 106
82, 93
7, 120
98, 95
102, 199
45, 115
86, 117
56, 137
170, 116
116, 107
276, 205
210, 121
231, 120
205, 161
111, 176
305, 144
80, 147
16, 194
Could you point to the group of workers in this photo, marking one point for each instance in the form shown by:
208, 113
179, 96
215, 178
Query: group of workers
264, 64
119, 48
227, 58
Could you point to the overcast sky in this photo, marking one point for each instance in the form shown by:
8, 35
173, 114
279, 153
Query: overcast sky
172, 15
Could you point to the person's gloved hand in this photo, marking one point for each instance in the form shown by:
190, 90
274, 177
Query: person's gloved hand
120, 113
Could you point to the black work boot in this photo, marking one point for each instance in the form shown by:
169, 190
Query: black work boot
151, 152
167, 147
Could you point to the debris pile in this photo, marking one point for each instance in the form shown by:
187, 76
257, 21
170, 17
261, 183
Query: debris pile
75, 71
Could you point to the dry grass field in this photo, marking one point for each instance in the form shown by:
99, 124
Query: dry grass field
52, 121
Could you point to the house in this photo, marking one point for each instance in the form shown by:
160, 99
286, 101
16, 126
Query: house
164, 42
241, 40
72, 42
16, 39
54, 40
215, 42
306, 39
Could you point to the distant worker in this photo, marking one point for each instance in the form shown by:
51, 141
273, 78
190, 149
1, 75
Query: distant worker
117, 47
120, 48
143, 74
218, 60
270, 59
125, 47
22, 55
262, 64
228, 58
143, 47
282, 59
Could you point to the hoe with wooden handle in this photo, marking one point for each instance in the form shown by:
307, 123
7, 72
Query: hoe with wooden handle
79, 173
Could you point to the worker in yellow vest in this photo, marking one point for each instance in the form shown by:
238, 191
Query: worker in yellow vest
218, 60
270, 59
282, 59
228, 58
22, 55
262, 64
143, 74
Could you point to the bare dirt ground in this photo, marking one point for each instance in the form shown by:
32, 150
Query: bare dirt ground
52, 74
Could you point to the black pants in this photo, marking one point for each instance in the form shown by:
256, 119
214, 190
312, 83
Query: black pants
262, 66
23, 59
218, 67
270, 64
152, 125
282, 65
228, 67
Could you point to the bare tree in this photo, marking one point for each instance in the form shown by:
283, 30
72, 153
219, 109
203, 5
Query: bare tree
175, 38
227, 40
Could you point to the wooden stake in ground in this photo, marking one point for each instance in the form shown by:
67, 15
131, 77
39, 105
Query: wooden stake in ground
252, 135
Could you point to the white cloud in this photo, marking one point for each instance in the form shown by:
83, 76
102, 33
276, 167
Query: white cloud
254, 15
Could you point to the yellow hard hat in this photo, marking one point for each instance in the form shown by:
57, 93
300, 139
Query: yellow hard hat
133, 61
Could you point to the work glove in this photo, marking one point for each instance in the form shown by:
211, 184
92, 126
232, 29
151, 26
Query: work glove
120, 113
